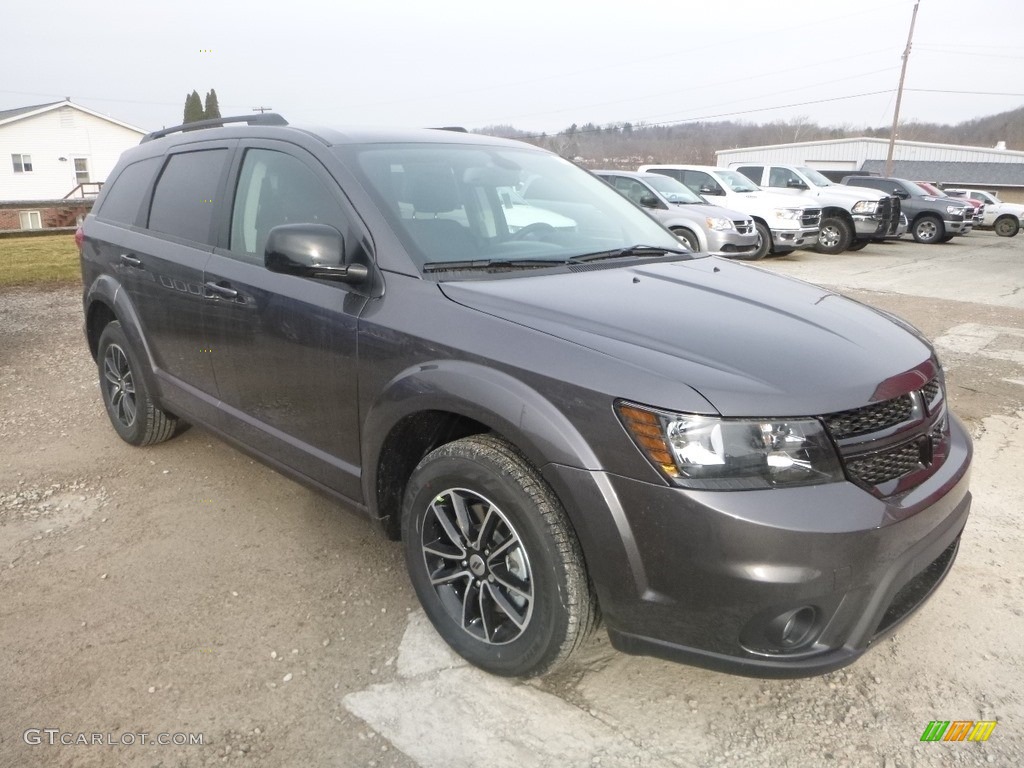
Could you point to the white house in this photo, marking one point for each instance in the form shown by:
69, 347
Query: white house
48, 150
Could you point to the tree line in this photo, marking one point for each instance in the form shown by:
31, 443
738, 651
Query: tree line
626, 145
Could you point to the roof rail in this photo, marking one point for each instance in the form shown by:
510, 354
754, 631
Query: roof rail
456, 128
260, 118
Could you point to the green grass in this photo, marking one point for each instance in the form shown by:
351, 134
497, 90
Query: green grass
49, 260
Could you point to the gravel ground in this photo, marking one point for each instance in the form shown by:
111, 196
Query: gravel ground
185, 589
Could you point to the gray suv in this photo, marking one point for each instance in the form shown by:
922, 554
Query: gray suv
559, 423
932, 219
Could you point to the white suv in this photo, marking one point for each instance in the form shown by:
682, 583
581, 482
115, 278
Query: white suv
1004, 218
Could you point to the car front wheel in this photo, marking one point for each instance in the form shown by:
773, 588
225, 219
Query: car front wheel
1007, 226
928, 229
835, 235
494, 560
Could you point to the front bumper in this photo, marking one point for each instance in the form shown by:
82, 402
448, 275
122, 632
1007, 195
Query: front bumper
703, 577
731, 243
791, 239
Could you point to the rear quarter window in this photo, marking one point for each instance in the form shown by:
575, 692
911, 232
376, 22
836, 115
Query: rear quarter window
124, 195
184, 200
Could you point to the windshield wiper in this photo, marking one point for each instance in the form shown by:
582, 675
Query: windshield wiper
488, 264
630, 252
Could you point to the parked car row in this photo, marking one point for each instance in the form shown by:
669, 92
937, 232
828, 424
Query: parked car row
780, 208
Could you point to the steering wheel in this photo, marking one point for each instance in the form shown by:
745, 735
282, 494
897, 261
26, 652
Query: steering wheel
535, 231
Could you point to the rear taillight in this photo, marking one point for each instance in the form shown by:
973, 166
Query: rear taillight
79, 238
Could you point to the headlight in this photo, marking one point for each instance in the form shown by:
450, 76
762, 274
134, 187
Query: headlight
955, 209
718, 224
865, 206
789, 213
733, 454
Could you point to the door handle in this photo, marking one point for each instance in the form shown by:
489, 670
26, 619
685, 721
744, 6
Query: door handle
220, 290
130, 261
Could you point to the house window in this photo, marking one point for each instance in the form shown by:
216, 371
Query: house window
22, 163
30, 220
81, 170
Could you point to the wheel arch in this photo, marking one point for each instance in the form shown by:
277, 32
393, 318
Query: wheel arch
429, 405
838, 212
699, 235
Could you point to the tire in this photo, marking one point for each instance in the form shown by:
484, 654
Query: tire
522, 614
764, 243
858, 245
946, 238
928, 229
687, 237
132, 412
835, 235
1007, 226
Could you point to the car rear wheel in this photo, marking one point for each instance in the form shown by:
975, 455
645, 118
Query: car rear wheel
132, 411
928, 229
494, 560
1007, 226
834, 236
687, 237
764, 242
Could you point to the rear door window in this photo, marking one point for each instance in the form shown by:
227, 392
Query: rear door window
184, 200
752, 172
125, 194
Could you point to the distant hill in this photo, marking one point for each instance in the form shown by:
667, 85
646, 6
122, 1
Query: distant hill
626, 145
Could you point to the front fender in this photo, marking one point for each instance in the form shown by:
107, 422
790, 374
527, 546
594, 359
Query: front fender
505, 404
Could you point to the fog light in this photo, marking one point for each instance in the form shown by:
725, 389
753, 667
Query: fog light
792, 628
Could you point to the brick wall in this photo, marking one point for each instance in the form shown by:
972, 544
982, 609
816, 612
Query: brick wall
53, 214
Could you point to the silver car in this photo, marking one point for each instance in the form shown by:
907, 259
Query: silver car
702, 226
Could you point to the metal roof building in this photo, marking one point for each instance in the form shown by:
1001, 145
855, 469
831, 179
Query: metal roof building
999, 170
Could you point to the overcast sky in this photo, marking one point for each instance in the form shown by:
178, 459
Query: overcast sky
539, 65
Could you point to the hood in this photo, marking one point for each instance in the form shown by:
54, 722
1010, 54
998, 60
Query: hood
716, 211
853, 194
775, 199
751, 342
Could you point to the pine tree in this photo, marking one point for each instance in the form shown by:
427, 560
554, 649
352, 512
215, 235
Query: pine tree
212, 107
193, 108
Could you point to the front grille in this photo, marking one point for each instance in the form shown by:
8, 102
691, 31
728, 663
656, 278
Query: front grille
744, 226
881, 467
888, 441
871, 418
811, 217
918, 588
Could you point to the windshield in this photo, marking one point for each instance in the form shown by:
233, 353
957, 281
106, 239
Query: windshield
815, 177
672, 190
914, 189
931, 189
737, 182
482, 206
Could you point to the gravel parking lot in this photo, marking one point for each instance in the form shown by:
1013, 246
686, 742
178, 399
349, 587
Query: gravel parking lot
184, 590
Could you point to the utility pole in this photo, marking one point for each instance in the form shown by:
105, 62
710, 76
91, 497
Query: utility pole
261, 110
899, 94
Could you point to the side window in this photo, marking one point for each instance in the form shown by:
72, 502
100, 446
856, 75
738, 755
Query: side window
867, 181
183, 201
631, 188
276, 188
778, 177
701, 182
123, 196
753, 172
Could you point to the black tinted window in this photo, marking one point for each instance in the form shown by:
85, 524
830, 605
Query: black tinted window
124, 194
183, 202
867, 181
752, 172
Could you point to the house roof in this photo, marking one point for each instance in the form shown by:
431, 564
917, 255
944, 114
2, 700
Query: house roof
8, 116
1011, 154
961, 173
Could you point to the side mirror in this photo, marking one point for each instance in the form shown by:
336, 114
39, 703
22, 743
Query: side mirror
647, 200
707, 190
795, 184
310, 250
902, 194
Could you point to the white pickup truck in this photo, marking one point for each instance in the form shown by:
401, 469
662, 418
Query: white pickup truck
783, 224
1004, 218
851, 217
